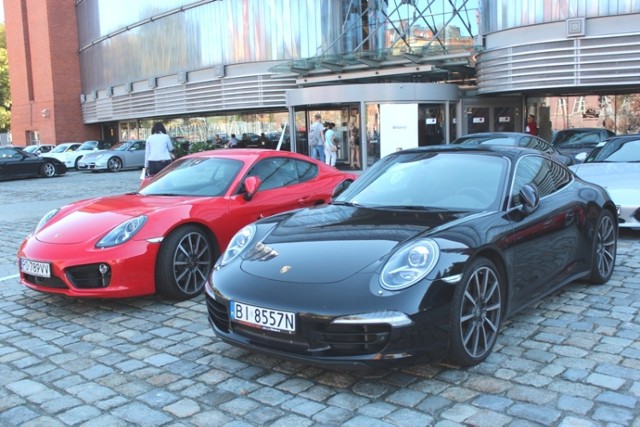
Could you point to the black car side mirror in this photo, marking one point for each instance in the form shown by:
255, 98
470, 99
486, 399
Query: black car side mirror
530, 197
251, 185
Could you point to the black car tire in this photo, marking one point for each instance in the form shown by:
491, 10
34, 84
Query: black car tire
76, 163
184, 263
48, 170
114, 164
476, 313
603, 257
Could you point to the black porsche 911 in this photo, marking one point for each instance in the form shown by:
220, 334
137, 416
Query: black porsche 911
420, 259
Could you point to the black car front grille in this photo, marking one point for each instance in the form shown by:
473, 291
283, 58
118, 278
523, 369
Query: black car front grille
353, 339
88, 276
46, 282
314, 336
218, 314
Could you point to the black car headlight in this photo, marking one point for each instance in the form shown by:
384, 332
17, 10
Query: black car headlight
410, 264
122, 233
238, 243
45, 219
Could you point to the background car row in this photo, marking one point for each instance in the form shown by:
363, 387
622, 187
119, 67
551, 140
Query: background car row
70, 153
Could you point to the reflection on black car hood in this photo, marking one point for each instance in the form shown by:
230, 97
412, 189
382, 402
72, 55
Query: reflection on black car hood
331, 243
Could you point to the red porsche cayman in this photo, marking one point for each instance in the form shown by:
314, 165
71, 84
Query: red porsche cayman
166, 237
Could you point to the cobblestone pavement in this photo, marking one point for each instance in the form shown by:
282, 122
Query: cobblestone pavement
571, 360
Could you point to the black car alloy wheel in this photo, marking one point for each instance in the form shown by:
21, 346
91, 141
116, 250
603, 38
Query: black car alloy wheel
604, 249
476, 313
48, 169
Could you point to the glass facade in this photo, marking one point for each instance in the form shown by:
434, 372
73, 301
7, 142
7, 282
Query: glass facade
504, 14
204, 128
162, 37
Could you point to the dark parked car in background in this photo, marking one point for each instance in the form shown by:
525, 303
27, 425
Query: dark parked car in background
396, 269
16, 163
572, 142
514, 139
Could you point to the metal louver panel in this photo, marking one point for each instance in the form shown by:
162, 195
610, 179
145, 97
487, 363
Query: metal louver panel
563, 64
237, 93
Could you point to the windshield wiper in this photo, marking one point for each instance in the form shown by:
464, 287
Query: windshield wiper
342, 203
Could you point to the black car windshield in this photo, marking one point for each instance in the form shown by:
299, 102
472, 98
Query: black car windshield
196, 176
449, 180
617, 150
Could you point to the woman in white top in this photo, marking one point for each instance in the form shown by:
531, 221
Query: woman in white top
330, 147
158, 150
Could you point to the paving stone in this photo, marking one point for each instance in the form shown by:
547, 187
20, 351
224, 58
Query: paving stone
576, 405
409, 418
302, 406
79, 414
377, 410
183, 408
534, 413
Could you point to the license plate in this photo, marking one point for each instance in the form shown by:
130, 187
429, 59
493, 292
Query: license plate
35, 268
263, 318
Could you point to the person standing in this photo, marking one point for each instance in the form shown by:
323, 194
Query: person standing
158, 150
264, 141
532, 127
330, 146
354, 146
316, 140
233, 142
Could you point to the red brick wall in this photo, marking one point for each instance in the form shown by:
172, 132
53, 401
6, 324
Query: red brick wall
44, 71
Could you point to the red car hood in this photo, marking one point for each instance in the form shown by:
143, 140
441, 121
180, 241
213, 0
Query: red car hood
91, 219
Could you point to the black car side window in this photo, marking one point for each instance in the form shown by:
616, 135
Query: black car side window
546, 174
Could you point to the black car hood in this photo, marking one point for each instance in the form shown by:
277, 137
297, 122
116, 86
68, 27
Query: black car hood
331, 243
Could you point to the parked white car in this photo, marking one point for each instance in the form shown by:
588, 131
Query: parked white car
71, 157
63, 152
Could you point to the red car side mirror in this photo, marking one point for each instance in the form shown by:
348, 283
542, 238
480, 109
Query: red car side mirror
251, 185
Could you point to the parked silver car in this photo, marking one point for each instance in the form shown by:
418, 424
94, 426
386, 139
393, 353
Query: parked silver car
615, 165
124, 155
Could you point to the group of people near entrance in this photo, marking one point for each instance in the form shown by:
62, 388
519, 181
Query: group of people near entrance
324, 147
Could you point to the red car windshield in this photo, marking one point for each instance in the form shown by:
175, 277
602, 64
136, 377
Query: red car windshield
195, 176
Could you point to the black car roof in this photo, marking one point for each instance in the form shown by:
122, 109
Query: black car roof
504, 150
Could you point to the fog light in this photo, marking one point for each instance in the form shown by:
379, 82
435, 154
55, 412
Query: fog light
103, 269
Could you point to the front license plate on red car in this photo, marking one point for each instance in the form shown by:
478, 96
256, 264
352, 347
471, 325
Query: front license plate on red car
264, 318
35, 268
